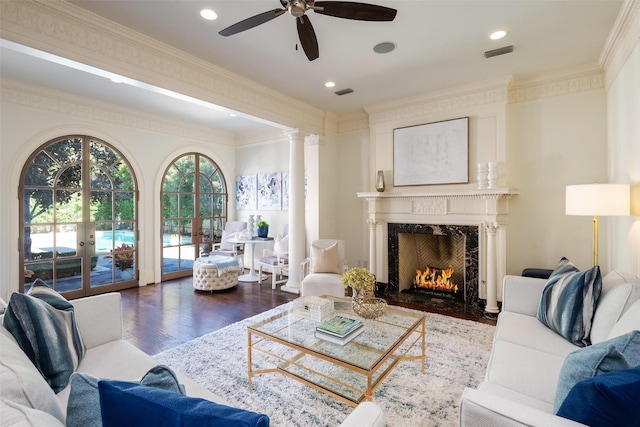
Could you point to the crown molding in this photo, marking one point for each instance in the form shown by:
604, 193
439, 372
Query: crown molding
54, 101
449, 101
623, 38
66, 30
568, 81
257, 137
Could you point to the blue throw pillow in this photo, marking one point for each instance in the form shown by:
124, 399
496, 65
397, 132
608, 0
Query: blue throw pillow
44, 325
569, 300
609, 399
130, 404
83, 407
618, 353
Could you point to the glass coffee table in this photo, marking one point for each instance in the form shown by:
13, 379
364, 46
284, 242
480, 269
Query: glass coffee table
351, 372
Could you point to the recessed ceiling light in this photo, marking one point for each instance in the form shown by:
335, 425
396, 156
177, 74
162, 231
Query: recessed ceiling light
498, 35
329, 84
233, 115
208, 14
384, 47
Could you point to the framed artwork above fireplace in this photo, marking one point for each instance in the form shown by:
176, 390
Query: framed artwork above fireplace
433, 153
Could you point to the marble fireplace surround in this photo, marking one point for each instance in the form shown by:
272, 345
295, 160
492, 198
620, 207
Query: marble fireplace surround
485, 209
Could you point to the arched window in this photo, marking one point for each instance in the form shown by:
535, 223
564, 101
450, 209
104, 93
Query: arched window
194, 212
78, 215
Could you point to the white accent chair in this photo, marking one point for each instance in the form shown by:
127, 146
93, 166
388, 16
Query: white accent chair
225, 248
276, 261
322, 271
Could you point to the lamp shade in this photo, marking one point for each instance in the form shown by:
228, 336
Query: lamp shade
598, 200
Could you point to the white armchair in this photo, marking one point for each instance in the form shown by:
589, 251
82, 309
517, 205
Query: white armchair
322, 271
226, 248
276, 261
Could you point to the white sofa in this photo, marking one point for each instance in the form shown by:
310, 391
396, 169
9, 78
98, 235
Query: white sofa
99, 319
526, 358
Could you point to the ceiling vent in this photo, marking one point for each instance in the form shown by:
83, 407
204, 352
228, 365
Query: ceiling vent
343, 91
499, 51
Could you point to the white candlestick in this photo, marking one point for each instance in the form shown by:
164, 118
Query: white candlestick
482, 176
493, 174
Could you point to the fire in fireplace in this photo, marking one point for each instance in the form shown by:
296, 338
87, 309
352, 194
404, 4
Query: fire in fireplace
414, 246
435, 279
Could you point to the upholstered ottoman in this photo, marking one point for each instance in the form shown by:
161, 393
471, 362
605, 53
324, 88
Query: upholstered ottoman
215, 273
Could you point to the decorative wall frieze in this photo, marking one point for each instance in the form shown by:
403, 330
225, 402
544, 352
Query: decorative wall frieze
429, 207
54, 101
63, 29
450, 101
353, 122
585, 78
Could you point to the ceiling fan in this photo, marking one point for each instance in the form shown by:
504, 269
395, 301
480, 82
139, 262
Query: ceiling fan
298, 8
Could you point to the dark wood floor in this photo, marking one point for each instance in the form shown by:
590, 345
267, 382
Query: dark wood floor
162, 316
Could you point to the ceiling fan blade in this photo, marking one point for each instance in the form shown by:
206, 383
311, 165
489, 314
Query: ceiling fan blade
354, 10
249, 23
307, 37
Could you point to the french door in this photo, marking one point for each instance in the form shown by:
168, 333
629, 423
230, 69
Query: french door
194, 211
78, 215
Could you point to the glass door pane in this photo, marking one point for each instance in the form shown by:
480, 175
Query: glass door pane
68, 234
193, 210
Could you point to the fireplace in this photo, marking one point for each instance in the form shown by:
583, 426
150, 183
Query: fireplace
475, 220
444, 254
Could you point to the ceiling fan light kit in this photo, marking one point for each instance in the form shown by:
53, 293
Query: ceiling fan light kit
306, 34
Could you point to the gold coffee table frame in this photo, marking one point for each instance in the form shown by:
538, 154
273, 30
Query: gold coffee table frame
349, 373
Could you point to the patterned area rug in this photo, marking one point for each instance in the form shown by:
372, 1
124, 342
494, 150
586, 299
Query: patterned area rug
456, 357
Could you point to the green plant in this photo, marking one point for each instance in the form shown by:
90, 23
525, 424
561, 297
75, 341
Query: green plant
358, 278
123, 256
262, 223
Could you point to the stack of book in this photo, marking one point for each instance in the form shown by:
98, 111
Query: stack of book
339, 329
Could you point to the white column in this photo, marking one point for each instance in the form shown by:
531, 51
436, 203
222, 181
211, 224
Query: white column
296, 210
492, 285
373, 225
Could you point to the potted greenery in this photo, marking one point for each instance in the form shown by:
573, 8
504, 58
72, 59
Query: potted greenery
263, 228
123, 259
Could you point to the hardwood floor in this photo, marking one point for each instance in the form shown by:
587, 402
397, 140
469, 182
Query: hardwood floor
162, 316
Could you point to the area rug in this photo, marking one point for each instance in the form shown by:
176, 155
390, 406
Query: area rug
457, 352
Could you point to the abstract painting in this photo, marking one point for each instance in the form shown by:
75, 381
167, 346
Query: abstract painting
246, 192
270, 191
285, 191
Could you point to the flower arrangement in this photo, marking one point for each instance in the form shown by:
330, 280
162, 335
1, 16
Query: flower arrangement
262, 223
123, 256
358, 278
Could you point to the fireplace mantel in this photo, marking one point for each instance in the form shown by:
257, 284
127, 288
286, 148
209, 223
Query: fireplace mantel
485, 208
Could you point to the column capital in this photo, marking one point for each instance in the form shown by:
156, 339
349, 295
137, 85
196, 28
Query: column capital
372, 222
491, 228
295, 134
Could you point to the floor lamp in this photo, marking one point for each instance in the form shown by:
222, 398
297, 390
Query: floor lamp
598, 200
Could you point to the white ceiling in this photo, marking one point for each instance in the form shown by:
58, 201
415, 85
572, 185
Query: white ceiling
440, 44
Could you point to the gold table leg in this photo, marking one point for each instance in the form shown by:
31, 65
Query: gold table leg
249, 362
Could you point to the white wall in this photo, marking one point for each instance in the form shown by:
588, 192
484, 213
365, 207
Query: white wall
354, 175
552, 143
623, 106
24, 128
254, 159
541, 146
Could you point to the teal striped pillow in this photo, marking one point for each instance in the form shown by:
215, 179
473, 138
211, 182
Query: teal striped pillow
569, 300
44, 325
